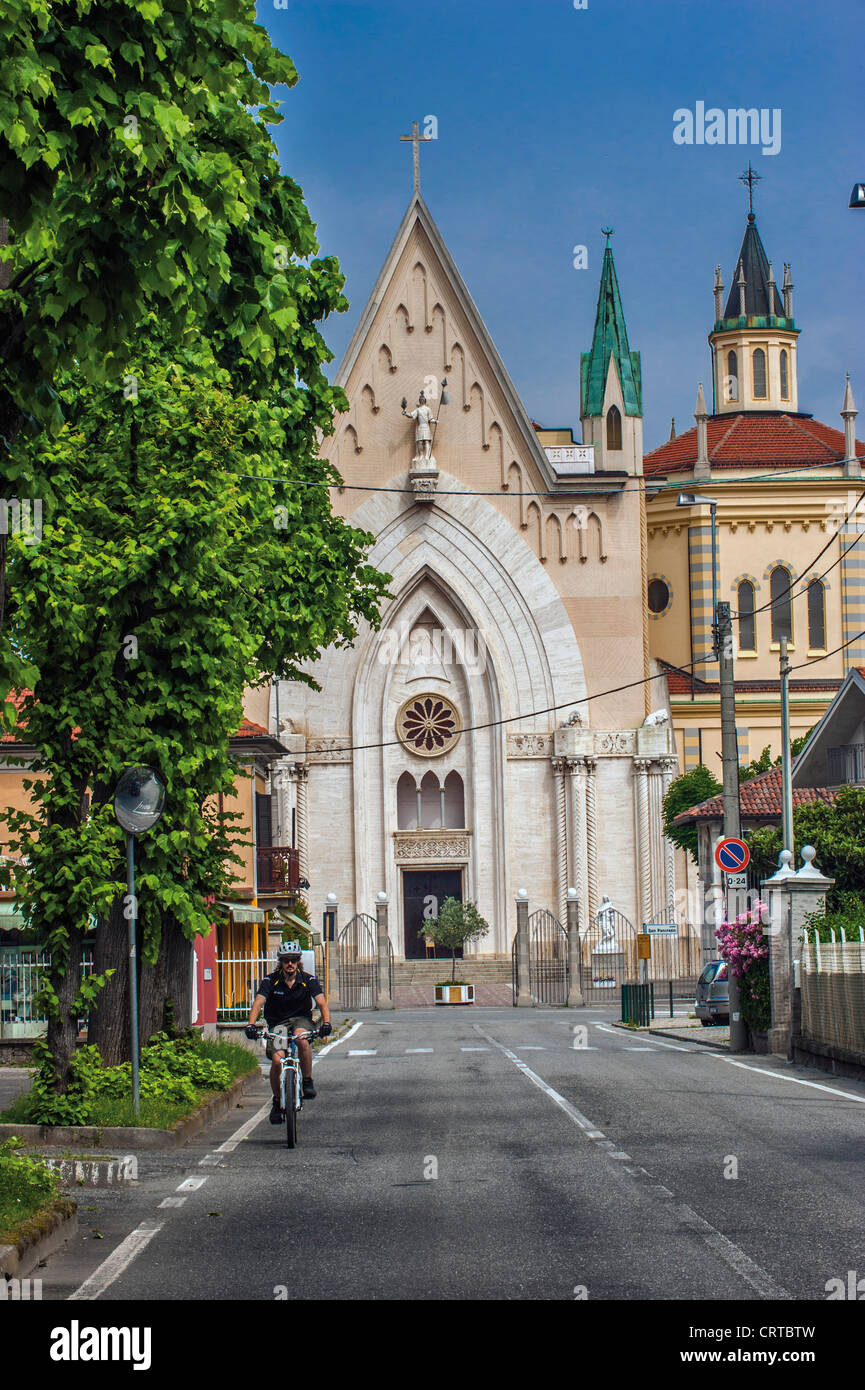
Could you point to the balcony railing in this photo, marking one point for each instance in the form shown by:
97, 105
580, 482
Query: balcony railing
278, 869
845, 764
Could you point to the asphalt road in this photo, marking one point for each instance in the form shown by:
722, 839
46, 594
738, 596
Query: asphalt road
479, 1154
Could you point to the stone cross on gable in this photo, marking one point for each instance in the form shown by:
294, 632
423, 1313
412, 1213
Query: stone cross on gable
415, 139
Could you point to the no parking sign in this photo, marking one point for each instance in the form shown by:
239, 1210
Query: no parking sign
732, 856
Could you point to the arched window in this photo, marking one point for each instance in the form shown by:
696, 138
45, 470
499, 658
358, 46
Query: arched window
759, 361
747, 625
454, 802
430, 802
614, 428
406, 802
732, 382
816, 616
780, 585
785, 376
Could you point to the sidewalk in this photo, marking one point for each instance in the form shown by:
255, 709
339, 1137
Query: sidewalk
688, 1029
14, 1082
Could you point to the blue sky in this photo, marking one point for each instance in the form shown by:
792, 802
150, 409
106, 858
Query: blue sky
554, 122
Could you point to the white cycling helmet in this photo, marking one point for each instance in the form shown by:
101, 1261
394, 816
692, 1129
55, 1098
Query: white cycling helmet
289, 948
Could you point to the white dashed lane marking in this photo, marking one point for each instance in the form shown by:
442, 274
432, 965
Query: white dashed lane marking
191, 1184
419, 1049
364, 1052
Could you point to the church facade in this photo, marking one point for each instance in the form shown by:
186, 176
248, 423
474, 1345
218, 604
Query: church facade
501, 731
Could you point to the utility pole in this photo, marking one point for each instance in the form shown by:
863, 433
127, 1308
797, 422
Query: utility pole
786, 769
723, 633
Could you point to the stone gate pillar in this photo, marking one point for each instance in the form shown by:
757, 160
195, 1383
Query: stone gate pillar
575, 991
383, 997
524, 994
790, 897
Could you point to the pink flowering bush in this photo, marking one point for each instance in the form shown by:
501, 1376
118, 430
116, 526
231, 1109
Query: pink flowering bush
743, 945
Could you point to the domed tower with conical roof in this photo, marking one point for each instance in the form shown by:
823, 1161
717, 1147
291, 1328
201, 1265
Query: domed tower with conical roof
754, 338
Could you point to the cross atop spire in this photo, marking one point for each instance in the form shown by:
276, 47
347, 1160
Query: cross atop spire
750, 178
415, 139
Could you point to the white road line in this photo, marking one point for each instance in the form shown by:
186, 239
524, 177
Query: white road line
570, 1110
172, 1202
191, 1184
656, 1042
213, 1160
729, 1253
419, 1049
796, 1080
639, 1049
530, 1047
249, 1125
674, 1047
474, 1049
117, 1262
323, 1051
363, 1052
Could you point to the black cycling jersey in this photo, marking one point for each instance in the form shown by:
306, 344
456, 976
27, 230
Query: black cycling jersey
282, 1003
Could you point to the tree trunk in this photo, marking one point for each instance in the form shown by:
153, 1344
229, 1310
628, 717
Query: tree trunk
63, 1031
109, 1025
165, 991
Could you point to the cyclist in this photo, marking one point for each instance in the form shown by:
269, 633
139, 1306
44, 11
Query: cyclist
287, 995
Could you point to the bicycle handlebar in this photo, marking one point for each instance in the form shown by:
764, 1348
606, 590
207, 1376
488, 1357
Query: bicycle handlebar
306, 1035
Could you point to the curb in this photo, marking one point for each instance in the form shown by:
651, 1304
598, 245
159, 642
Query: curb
58, 1223
88, 1136
92, 1172
677, 1037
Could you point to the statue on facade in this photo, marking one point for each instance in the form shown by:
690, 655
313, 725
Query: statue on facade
423, 418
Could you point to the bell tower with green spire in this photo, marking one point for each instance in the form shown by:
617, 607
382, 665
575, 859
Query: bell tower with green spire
611, 388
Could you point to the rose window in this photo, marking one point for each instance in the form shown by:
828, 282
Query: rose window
428, 724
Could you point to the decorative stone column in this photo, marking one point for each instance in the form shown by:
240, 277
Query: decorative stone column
301, 773
669, 769
575, 991
642, 844
591, 837
578, 875
524, 994
791, 897
383, 997
561, 837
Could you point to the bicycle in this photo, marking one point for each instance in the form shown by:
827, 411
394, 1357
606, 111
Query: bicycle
290, 1077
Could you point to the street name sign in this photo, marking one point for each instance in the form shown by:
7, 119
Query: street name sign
661, 929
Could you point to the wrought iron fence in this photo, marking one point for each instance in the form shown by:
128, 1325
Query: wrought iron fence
548, 959
357, 962
21, 968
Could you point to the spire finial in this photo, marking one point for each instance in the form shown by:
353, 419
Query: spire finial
750, 178
608, 232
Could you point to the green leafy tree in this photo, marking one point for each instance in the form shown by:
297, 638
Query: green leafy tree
685, 791
455, 926
835, 831
137, 174
167, 580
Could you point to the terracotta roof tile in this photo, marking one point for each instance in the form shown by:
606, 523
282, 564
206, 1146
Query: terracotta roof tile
748, 439
759, 797
249, 730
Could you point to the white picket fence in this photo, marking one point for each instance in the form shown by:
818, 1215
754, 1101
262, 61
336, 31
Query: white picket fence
832, 979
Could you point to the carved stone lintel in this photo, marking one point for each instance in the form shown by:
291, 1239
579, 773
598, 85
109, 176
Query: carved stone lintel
424, 482
530, 745
411, 846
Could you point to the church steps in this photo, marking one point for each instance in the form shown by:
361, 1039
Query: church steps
430, 972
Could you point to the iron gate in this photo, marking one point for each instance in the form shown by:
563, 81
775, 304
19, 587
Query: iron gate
608, 955
357, 962
548, 959
676, 957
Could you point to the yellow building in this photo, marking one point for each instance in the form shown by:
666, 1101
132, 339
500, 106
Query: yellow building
783, 484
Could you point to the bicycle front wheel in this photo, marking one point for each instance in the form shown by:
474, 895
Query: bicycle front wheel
291, 1110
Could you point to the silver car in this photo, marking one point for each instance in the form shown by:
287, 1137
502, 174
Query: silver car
712, 1004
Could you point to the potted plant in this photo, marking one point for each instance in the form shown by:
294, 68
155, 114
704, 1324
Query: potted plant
456, 925
743, 945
